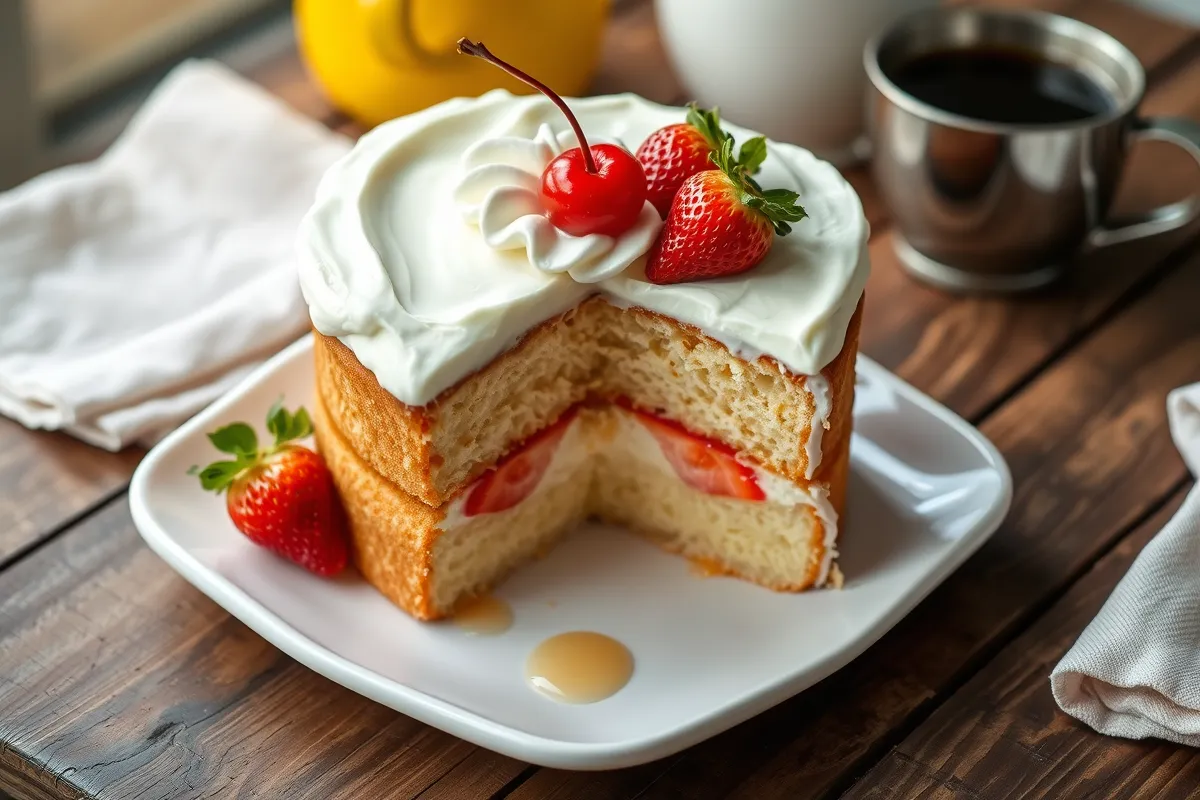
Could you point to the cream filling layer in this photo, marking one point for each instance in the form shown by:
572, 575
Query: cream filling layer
818, 389
619, 434
571, 461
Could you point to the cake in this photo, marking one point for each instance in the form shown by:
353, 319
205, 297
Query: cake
485, 382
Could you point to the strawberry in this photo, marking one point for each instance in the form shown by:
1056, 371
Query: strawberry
671, 155
519, 473
721, 221
283, 497
702, 463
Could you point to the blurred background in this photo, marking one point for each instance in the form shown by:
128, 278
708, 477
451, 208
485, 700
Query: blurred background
72, 71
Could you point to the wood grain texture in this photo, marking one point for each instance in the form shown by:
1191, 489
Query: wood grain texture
1090, 454
1001, 734
119, 680
482, 774
47, 479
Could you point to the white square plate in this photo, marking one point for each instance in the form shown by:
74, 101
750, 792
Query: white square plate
926, 490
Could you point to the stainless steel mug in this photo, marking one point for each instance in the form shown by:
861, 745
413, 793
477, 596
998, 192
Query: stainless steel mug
988, 206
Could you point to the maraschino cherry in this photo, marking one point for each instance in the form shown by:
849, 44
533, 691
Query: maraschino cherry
597, 189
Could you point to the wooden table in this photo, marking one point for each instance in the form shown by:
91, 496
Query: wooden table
119, 680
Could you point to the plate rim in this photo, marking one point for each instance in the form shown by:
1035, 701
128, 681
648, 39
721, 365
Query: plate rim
482, 730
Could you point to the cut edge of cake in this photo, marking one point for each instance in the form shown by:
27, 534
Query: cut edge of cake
597, 349
412, 545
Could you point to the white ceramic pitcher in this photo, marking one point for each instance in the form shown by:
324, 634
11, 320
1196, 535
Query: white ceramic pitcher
791, 69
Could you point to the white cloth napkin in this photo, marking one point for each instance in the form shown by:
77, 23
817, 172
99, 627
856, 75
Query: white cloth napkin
136, 289
1135, 670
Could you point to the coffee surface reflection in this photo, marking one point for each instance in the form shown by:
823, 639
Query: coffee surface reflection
1009, 86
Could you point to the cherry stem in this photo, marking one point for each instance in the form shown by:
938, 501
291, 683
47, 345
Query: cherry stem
469, 48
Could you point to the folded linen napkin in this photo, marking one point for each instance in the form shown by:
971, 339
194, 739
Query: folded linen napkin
136, 289
1135, 670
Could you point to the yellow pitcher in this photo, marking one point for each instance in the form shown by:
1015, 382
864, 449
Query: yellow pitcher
379, 59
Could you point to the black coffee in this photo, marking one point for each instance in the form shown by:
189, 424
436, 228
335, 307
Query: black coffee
1007, 86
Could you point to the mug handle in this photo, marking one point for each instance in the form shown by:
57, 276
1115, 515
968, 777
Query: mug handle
390, 31
1183, 133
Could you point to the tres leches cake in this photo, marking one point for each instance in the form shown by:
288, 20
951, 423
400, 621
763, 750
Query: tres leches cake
486, 379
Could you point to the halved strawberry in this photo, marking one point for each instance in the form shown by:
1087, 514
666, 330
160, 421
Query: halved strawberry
702, 463
519, 473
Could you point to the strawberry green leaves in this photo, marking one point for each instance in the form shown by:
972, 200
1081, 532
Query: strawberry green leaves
708, 122
779, 206
286, 427
239, 440
218, 476
753, 154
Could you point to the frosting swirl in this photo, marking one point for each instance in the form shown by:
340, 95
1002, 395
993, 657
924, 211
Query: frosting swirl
499, 193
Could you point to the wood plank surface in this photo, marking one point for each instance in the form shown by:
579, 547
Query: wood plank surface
118, 679
1001, 734
47, 479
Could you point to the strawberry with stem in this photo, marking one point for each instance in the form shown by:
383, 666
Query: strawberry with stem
281, 497
722, 222
674, 153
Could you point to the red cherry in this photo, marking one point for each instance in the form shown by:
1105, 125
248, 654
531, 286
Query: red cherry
606, 201
585, 190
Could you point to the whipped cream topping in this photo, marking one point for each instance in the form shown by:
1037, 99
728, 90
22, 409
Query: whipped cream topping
818, 390
499, 193
388, 264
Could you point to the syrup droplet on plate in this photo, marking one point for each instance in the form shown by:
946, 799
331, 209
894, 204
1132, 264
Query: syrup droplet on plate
579, 667
484, 615
706, 568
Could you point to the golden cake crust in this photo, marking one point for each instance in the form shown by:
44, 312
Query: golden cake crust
392, 533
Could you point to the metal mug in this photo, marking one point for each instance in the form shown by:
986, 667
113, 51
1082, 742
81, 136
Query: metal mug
988, 206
